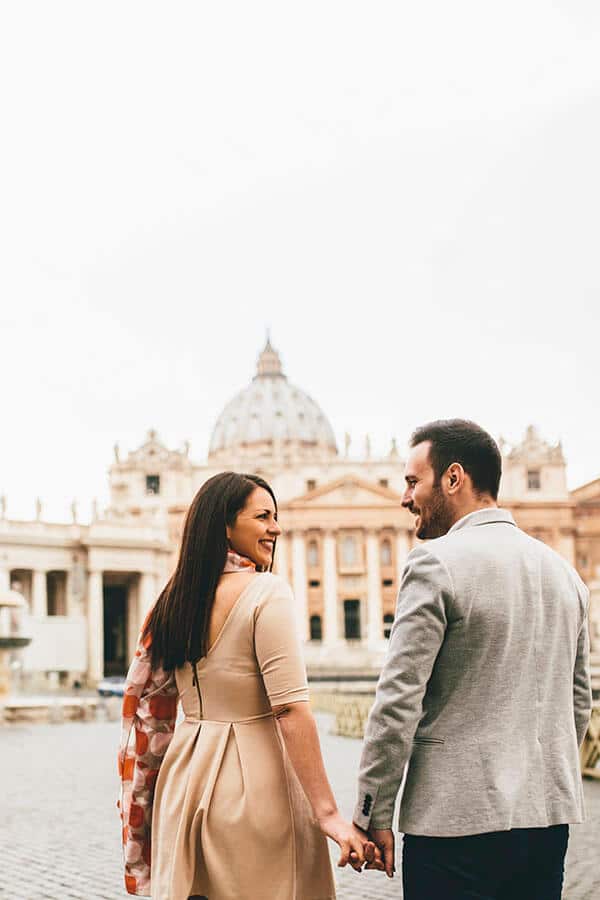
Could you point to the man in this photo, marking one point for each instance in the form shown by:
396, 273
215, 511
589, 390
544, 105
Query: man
485, 692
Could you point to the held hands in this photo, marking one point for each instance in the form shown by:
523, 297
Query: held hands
383, 838
355, 846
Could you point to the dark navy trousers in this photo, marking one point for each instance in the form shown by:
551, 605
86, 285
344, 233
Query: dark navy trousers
522, 864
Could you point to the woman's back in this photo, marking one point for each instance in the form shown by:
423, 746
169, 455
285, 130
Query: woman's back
252, 650
213, 834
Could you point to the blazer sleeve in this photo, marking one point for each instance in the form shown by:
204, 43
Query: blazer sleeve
417, 634
582, 689
277, 645
147, 725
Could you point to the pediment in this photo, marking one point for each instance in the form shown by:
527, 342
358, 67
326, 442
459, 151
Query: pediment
349, 491
587, 494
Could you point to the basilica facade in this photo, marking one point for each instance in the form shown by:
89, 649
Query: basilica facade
343, 548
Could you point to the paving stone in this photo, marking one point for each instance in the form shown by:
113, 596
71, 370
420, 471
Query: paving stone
59, 827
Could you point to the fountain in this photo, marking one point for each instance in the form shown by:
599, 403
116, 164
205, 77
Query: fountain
12, 637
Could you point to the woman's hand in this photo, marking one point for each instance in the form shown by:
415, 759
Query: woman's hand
355, 846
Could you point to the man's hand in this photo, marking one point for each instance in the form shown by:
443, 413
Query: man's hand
373, 856
383, 838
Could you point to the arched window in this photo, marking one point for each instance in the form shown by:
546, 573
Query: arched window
388, 620
349, 550
386, 553
316, 628
313, 553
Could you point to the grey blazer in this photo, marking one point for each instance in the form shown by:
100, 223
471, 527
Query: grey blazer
485, 691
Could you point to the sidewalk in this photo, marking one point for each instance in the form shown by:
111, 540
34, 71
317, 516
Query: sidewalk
59, 829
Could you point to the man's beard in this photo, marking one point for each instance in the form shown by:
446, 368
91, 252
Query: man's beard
436, 520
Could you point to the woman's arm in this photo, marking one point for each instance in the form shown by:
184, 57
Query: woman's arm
279, 655
301, 737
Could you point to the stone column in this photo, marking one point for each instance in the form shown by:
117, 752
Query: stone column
281, 557
146, 596
132, 617
95, 626
402, 551
69, 604
4, 579
299, 582
374, 590
39, 593
331, 635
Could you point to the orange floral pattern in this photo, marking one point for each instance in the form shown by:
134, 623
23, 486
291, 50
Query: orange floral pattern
149, 713
148, 723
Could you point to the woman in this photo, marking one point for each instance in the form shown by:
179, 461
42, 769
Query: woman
237, 796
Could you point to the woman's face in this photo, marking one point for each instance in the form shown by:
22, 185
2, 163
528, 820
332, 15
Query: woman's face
255, 529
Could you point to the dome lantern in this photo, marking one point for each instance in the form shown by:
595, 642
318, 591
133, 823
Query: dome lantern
269, 362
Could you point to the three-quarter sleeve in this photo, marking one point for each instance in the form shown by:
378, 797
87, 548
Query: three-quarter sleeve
148, 722
277, 645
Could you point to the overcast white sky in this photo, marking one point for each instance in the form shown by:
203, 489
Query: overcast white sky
408, 194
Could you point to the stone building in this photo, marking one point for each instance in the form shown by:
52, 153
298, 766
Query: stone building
344, 543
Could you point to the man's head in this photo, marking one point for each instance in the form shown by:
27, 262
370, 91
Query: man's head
453, 468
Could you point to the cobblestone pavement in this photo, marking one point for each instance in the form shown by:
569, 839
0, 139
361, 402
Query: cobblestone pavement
59, 829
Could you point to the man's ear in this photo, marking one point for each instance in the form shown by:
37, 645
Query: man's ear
455, 477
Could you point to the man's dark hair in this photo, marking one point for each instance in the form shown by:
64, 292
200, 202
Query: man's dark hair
464, 442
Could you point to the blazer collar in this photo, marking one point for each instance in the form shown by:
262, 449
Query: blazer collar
484, 517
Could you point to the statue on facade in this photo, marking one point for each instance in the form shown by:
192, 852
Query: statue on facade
116, 452
38, 509
74, 511
367, 446
2, 506
347, 442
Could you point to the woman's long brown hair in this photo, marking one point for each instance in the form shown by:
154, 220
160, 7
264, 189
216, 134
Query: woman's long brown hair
178, 624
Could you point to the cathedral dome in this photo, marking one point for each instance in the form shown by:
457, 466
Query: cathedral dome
271, 416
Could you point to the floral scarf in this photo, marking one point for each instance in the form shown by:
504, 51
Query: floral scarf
237, 563
148, 723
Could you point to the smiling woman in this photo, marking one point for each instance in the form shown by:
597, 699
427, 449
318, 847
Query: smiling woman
222, 640
255, 529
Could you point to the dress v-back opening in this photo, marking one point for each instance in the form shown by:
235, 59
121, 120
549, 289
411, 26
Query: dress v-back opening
232, 609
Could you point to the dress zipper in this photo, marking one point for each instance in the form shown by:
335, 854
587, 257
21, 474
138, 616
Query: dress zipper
196, 682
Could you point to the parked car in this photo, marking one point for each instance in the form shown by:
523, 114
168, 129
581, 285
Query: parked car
112, 686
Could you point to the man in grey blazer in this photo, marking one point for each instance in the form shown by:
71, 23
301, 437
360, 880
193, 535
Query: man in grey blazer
485, 694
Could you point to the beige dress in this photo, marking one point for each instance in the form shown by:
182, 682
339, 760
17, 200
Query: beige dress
230, 820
